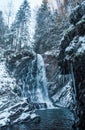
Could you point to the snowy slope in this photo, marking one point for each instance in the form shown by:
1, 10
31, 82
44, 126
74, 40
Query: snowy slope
5, 79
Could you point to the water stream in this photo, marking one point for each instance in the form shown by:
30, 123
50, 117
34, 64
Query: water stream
50, 119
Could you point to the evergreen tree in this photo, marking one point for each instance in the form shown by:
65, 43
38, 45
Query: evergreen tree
2, 29
45, 32
20, 27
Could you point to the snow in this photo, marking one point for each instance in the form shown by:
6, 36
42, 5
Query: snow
4, 118
77, 46
33, 115
7, 99
5, 79
81, 49
64, 96
24, 116
4, 114
69, 48
10, 111
52, 53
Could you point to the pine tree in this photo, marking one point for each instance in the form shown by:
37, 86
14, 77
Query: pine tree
45, 32
20, 27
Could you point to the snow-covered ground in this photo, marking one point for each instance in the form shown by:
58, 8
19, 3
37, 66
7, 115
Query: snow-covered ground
6, 81
7, 97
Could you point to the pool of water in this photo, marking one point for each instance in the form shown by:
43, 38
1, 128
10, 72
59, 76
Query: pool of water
51, 119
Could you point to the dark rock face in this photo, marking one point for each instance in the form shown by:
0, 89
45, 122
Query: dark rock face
51, 63
77, 30
15, 59
22, 65
80, 86
77, 13
59, 86
72, 51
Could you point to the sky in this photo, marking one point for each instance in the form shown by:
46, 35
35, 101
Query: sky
16, 3
34, 4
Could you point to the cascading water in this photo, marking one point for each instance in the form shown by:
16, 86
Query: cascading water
34, 85
41, 79
40, 91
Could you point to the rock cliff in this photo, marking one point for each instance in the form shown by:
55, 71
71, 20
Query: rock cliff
72, 53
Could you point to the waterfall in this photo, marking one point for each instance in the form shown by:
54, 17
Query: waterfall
40, 91
34, 85
41, 79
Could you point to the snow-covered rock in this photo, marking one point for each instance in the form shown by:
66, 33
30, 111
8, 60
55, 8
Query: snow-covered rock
14, 109
18, 112
64, 97
76, 47
6, 81
77, 13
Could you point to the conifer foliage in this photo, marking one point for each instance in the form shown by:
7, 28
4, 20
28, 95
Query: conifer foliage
45, 32
20, 28
3, 29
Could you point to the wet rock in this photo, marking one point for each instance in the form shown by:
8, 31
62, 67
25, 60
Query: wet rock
51, 63
37, 105
40, 105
